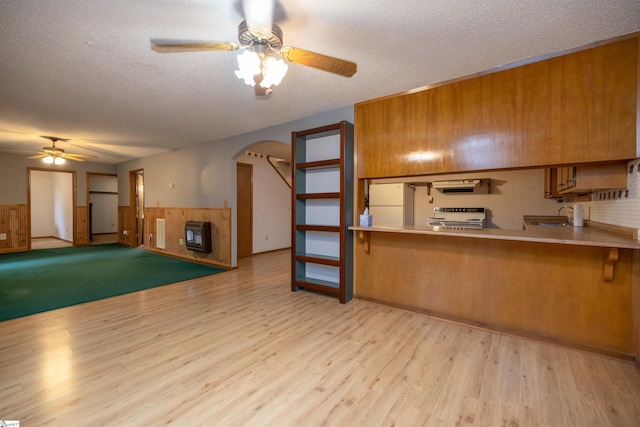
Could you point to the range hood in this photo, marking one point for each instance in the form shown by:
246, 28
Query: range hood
456, 186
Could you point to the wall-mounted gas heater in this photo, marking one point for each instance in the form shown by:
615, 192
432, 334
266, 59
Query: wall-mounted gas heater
197, 236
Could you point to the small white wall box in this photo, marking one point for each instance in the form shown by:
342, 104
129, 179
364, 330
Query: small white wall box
197, 235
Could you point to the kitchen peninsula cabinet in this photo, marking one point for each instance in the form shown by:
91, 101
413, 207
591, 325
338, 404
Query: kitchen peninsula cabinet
551, 184
322, 191
588, 178
575, 108
575, 286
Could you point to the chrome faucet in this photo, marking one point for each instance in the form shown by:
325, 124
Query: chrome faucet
569, 216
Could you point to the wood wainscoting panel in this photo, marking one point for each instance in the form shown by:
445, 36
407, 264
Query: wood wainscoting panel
547, 290
126, 229
14, 223
82, 226
175, 219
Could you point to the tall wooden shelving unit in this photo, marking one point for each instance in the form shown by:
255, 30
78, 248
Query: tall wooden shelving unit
322, 245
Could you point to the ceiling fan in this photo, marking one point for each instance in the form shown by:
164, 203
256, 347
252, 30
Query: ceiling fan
55, 155
262, 42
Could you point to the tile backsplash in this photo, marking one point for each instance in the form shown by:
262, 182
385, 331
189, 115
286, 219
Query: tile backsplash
618, 207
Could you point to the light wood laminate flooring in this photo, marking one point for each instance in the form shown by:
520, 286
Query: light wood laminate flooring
240, 349
49, 243
54, 242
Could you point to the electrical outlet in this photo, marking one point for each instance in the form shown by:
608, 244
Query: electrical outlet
181, 241
150, 237
3, 236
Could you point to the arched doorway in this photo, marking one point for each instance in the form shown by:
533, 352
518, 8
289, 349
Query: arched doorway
263, 198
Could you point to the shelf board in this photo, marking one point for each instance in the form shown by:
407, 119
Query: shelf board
311, 227
335, 195
318, 164
319, 259
318, 285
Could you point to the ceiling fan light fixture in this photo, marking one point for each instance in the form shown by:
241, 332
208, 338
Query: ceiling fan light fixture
273, 71
53, 160
252, 64
249, 66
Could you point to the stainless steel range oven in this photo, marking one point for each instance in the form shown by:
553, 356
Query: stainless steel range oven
458, 218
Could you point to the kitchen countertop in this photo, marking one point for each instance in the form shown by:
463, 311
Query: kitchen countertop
588, 235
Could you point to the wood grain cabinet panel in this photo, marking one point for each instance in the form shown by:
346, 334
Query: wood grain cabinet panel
588, 178
544, 290
575, 108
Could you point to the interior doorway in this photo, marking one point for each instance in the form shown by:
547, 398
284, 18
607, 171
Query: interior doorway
102, 199
52, 203
244, 209
136, 181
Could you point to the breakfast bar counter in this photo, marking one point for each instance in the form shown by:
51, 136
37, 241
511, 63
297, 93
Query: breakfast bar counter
592, 235
578, 286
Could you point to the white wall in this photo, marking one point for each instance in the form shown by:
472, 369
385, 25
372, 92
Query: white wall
205, 175
52, 204
42, 224
63, 205
271, 207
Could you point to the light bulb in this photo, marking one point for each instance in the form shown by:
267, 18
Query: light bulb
249, 64
48, 160
59, 161
273, 70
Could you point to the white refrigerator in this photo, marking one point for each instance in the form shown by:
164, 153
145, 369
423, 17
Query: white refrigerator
391, 205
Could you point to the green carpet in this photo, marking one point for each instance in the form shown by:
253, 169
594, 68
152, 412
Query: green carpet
42, 280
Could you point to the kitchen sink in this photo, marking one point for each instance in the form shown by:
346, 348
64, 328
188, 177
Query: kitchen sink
547, 221
549, 224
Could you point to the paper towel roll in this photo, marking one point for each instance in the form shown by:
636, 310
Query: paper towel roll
578, 215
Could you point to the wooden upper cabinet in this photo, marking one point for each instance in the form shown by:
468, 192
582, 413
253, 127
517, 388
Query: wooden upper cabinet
576, 108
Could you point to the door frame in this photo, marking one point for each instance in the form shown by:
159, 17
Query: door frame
133, 205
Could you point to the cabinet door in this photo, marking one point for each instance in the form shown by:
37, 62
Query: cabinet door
575, 108
551, 183
588, 178
562, 178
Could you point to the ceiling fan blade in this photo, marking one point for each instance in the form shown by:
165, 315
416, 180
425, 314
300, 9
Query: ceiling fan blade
319, 61
71, 157
38, 156
167, 46
259, 15
74, 156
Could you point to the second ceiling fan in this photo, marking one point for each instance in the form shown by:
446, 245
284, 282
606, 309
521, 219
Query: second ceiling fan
260, 65
55, 155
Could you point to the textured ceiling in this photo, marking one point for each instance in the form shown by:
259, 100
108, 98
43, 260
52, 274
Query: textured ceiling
84, 70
